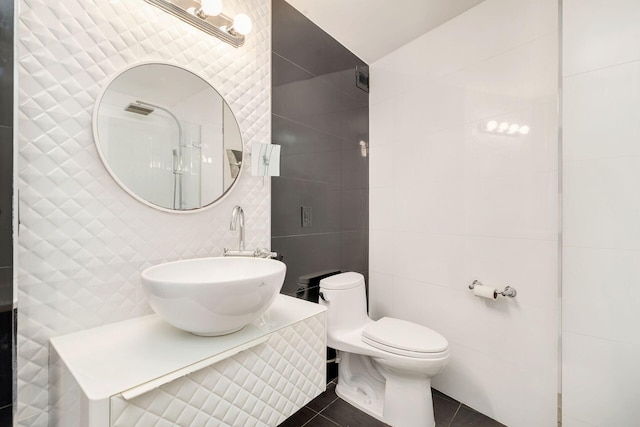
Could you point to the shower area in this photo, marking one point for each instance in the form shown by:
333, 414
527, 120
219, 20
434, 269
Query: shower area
600, 287
176, 146
522, 120
155, 154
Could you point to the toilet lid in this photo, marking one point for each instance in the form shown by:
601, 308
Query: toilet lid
342, 281
402, 337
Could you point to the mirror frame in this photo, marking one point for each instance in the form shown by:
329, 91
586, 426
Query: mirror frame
96, 141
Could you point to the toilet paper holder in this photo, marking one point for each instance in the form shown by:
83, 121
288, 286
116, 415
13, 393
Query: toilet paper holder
508, 291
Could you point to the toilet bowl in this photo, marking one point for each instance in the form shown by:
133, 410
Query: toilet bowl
385, 366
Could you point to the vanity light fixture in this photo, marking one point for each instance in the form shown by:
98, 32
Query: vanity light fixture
206, 15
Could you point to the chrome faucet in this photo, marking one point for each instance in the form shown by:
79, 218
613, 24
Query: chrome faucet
237, 216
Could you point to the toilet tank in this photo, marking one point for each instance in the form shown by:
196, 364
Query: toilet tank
346, 301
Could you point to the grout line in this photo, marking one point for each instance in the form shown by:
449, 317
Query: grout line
600, 68
454, 415
322, 77
318, 415
308, 126
584, 160
310, 419
312, 410
475, 236
329, 419
598, 337
331, 403
307, 235
294, 64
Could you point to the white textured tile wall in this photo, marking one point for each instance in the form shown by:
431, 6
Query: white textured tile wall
450, 204
601, 204
83, 241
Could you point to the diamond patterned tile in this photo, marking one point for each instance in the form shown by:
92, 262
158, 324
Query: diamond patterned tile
37, 420
258, 387
83, 240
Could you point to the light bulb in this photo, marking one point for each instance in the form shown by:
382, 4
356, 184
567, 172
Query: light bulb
211, 7
514, 128
524, 130
503, 127
242, 24
492, 125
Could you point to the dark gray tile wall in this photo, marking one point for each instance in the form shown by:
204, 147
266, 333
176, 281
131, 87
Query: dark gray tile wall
6, 63
319, 118
7, 314
307, 45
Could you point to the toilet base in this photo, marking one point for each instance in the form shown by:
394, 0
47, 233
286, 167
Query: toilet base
361, 384
389, 395
358, 399
408, 401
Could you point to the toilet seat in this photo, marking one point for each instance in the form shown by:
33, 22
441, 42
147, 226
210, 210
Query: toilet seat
404, 338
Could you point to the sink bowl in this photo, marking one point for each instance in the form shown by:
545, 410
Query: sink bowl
213, 296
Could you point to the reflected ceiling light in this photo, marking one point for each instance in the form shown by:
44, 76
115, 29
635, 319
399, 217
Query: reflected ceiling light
503, 128
206, 15
363, 148
492, 125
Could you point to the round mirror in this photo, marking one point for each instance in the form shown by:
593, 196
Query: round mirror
168, 137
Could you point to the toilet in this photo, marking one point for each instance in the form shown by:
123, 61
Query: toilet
385, 366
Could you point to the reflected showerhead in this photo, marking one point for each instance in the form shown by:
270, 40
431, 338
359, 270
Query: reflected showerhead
135, 107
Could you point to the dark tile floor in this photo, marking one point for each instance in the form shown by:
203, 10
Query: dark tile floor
328, 410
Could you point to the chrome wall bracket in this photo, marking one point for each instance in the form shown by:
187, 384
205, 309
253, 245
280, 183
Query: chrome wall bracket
508, 290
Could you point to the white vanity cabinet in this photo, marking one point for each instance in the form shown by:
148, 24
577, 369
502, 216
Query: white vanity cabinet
143, 372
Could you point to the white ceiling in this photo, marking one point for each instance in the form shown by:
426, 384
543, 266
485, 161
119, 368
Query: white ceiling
373, 28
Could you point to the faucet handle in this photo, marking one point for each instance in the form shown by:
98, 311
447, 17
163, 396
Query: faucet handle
265, 253
246, 254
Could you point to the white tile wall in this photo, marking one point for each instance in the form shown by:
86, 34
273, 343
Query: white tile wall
601, 380
601, 159
602, 295
598, 34
467, 205
480, 374
613, 118
83, 240
602, 203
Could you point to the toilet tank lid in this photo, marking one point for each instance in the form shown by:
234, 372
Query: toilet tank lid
403, 335
341, 281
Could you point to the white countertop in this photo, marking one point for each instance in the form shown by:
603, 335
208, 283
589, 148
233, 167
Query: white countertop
113, 358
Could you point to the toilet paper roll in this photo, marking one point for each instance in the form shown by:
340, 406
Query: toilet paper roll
485, 291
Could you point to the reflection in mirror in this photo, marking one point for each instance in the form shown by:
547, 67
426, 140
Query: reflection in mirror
265, 159
168, 137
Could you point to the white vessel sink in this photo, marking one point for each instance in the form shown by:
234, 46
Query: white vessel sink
213, 296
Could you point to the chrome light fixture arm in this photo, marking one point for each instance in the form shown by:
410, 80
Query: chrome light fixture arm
192, 12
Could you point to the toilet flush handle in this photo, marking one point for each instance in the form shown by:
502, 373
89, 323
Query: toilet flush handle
323, 297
